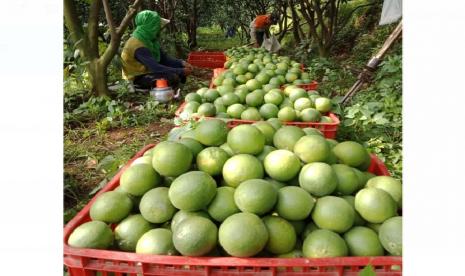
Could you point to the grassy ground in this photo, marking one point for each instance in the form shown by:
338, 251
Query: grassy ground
214, 39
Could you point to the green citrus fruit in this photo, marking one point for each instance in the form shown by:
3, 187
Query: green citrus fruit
282, 165
390, 235
235, 110
254, 99
230, 99
375, 205
139, 178
171, 158
287, 136
266, 150
227, 149
246, 139
268, 111
268, 131
193, 97
92, 234
182, 215
207, 109
111, 207
156, 242
211, 95
251, 114
319, 179
313, 131
243, 235
195, 236
297, 93
223, 205
312, 148
350, 153
192, 144
294, 203
240, 168
323, 104
333, 213
211, 132
348, 182
253, 84
274, 122
282, 236
363, 241
358, 220
273, 97
192, 191
155, 205
128, 232
225, 89
302, 103
324, 243
309, 228
389, 185
310, 115
287, 114
256, 196
211, 160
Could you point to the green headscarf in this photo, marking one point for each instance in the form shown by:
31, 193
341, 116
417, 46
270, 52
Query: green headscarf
148, 31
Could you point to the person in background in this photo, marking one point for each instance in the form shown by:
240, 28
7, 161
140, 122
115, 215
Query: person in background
261, 26
231, 32
144, 61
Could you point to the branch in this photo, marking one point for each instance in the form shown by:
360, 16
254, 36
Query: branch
309, 17
106, 8
319, 15
128, 17
92, 28
75, 28
112, 48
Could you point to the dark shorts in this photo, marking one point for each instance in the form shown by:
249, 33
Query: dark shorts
260, 36
147, 81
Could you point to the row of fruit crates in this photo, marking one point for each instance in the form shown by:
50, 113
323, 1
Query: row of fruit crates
307, 86
86, 262
329, 130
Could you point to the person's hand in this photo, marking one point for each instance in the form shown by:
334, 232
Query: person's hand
188, 70
186, 64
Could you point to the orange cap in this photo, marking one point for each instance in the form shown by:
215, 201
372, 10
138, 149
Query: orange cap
161, 83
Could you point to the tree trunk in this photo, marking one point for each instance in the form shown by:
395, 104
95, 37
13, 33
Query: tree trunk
295, 22
323, 51
98, 78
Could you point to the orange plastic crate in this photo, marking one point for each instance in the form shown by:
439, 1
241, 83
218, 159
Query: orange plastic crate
87, 262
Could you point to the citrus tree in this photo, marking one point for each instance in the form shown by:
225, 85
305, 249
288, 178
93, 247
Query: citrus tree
325, 18
86, 39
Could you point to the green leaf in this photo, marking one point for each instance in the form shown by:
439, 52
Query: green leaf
367, 271
108, 164
99, 186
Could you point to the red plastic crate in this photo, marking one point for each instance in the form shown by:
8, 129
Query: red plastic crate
329, 130
206, 59
86, 262
307, 86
